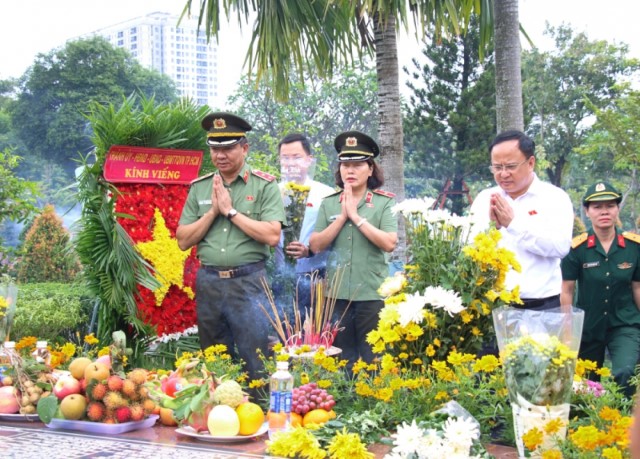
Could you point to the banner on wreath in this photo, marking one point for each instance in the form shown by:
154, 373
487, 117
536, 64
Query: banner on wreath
127, 164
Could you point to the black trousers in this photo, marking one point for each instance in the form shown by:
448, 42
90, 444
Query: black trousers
360, 318
229, 313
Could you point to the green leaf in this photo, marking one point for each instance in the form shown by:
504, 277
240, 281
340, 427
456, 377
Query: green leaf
47, 408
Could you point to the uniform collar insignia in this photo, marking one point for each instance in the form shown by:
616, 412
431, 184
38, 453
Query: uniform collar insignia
245, 177
591, 241
369, 197
621, 242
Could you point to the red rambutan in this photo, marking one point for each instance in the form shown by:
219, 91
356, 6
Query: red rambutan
115, 383
96, 411
123, 414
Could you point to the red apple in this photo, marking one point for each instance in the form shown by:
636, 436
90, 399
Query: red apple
66, 385
9, 396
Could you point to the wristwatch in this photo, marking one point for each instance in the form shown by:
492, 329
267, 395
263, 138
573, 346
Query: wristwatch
232, 213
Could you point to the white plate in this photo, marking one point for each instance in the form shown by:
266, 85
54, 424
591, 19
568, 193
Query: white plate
101, 427
189, 432
19, 417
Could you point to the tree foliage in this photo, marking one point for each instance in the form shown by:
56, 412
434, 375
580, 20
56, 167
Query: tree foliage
17, 196
321, 109
612, 151
556, 88
54, 95
449, 119
45, 255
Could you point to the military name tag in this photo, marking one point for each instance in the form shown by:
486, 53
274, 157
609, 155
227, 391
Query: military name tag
333, 218
591, 264
205, 202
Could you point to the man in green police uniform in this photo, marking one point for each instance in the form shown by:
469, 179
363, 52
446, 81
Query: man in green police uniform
233, 216
605, 263
357, 226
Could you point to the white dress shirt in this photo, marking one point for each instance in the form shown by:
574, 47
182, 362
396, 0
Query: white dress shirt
539, 235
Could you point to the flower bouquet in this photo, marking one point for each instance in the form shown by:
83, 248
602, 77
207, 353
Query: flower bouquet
445, 299
8, 298
539, 350
295, 204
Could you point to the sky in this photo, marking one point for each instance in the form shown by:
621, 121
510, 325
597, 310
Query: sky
24, 34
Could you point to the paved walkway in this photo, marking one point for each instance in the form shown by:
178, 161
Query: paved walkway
33, 440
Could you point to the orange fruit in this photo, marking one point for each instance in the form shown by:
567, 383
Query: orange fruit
251, 418
317, 417
166, 417
296, 420
276, 420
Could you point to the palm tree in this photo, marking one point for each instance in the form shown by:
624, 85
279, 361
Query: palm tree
509, 112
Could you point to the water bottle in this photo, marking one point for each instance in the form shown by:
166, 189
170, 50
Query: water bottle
7, 355
281, 392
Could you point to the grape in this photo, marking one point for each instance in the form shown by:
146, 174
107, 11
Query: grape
309, 396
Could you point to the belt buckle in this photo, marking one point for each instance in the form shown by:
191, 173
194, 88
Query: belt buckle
225, 274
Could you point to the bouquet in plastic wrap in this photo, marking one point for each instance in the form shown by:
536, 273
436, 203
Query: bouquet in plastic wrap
539, 351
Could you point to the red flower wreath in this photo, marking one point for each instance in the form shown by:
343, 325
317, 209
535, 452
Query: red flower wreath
177, 310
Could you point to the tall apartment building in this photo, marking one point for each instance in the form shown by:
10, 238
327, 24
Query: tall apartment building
179, 52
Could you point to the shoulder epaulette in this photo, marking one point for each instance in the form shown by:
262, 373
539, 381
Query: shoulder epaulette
388, 194
335, 192
264, 175
202, 178
632, 236
576, 241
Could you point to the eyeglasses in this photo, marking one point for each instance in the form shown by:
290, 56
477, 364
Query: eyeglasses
495, 168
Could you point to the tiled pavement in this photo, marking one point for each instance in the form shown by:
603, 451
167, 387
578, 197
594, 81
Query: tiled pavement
33, 440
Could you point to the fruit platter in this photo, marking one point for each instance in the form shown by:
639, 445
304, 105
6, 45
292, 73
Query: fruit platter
207, 437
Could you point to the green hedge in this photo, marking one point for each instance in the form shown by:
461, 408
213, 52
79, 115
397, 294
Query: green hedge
52, 311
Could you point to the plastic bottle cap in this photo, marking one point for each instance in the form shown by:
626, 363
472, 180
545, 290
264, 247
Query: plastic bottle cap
281, 365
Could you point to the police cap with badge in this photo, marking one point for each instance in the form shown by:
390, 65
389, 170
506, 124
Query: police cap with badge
601, 191
224, 129
355, 146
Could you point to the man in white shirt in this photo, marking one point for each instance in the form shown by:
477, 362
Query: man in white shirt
296, 161
534, 217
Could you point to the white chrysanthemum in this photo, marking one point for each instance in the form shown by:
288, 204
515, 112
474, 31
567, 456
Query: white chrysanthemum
432, 445
437, 216
392, 285
408, 439
439, 297
412, 206
411, 310
460, 433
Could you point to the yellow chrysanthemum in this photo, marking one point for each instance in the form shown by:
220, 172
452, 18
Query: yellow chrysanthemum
551, 454
532, 439
553, 426
90, 339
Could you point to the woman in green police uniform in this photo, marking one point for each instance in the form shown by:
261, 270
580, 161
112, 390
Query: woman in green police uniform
357, 226
605, 264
